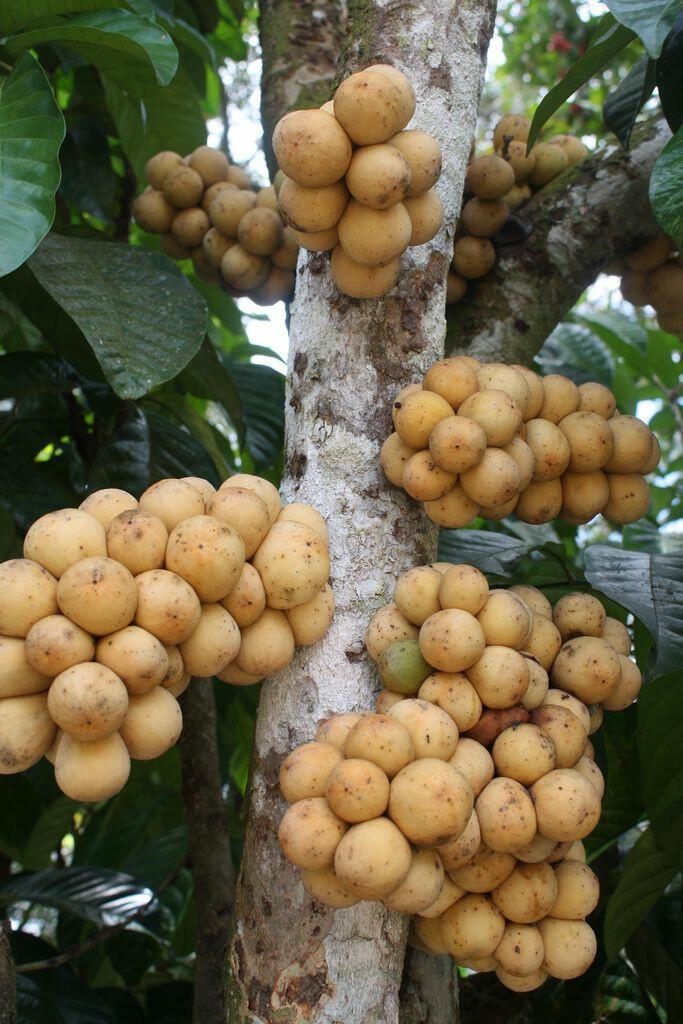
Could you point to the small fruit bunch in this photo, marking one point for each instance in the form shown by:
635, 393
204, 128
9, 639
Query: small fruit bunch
117, 603
653, 276
497, 184
465, 798
355, 182
207, 210
488, 439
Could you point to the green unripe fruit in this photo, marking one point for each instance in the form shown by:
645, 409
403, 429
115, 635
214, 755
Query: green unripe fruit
402, 667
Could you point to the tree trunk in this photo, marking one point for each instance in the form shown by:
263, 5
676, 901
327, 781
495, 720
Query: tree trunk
300, 41
576, 225
291, 958
209, 848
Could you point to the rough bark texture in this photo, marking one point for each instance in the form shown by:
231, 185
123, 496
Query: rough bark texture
300, 41
209, 848
577, 224
8, 979
429, 993
291, 958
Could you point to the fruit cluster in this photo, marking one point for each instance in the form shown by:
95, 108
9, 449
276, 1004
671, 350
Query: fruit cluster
116, 604
354, 182
653, 276
206, 210
488, 439
498, 183
465, 798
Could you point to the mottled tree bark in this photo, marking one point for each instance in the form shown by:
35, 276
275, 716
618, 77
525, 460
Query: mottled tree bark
576, 225
8, 978
300, 41
429, 993
209, 848
291, 958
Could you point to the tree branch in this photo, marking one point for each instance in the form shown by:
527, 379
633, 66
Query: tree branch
292, 959
592, 213
209, 848
300, 41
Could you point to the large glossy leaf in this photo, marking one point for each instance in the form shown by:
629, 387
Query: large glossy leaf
207, 377
656, 949
651, 20
645, 875
34, 373
31, 132
650, 586
99, 896
262, 394
576, 352
67, 999
135, 307
660, 741
16, 14
610, 39
666, 188
623, 105
149, 118
622, 806
113, 40
146, 447
491, 552
670, 76
88, 178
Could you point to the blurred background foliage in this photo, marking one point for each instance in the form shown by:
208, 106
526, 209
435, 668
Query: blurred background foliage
120, 367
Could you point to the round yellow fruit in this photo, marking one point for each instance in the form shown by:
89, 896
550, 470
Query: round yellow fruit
152, 724
312, 147
93, 771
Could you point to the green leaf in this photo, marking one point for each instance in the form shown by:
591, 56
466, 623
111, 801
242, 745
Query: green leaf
650, 586
47, 833
149, 118
622, 806
98, 896
17, 13
576, 352
670, 76
88, 178
660, 740
623, 105
658, 968
31, 132
645, 875
609, 40
113, 40
262, 394
69, 1000
207, 377
491, 552
33, 373
651, 20
137, 310
147, 447
666, 188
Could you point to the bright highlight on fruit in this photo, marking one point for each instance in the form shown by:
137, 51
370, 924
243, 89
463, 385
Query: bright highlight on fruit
355, 182
117, 604
488, 439
465, 798
207, 210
